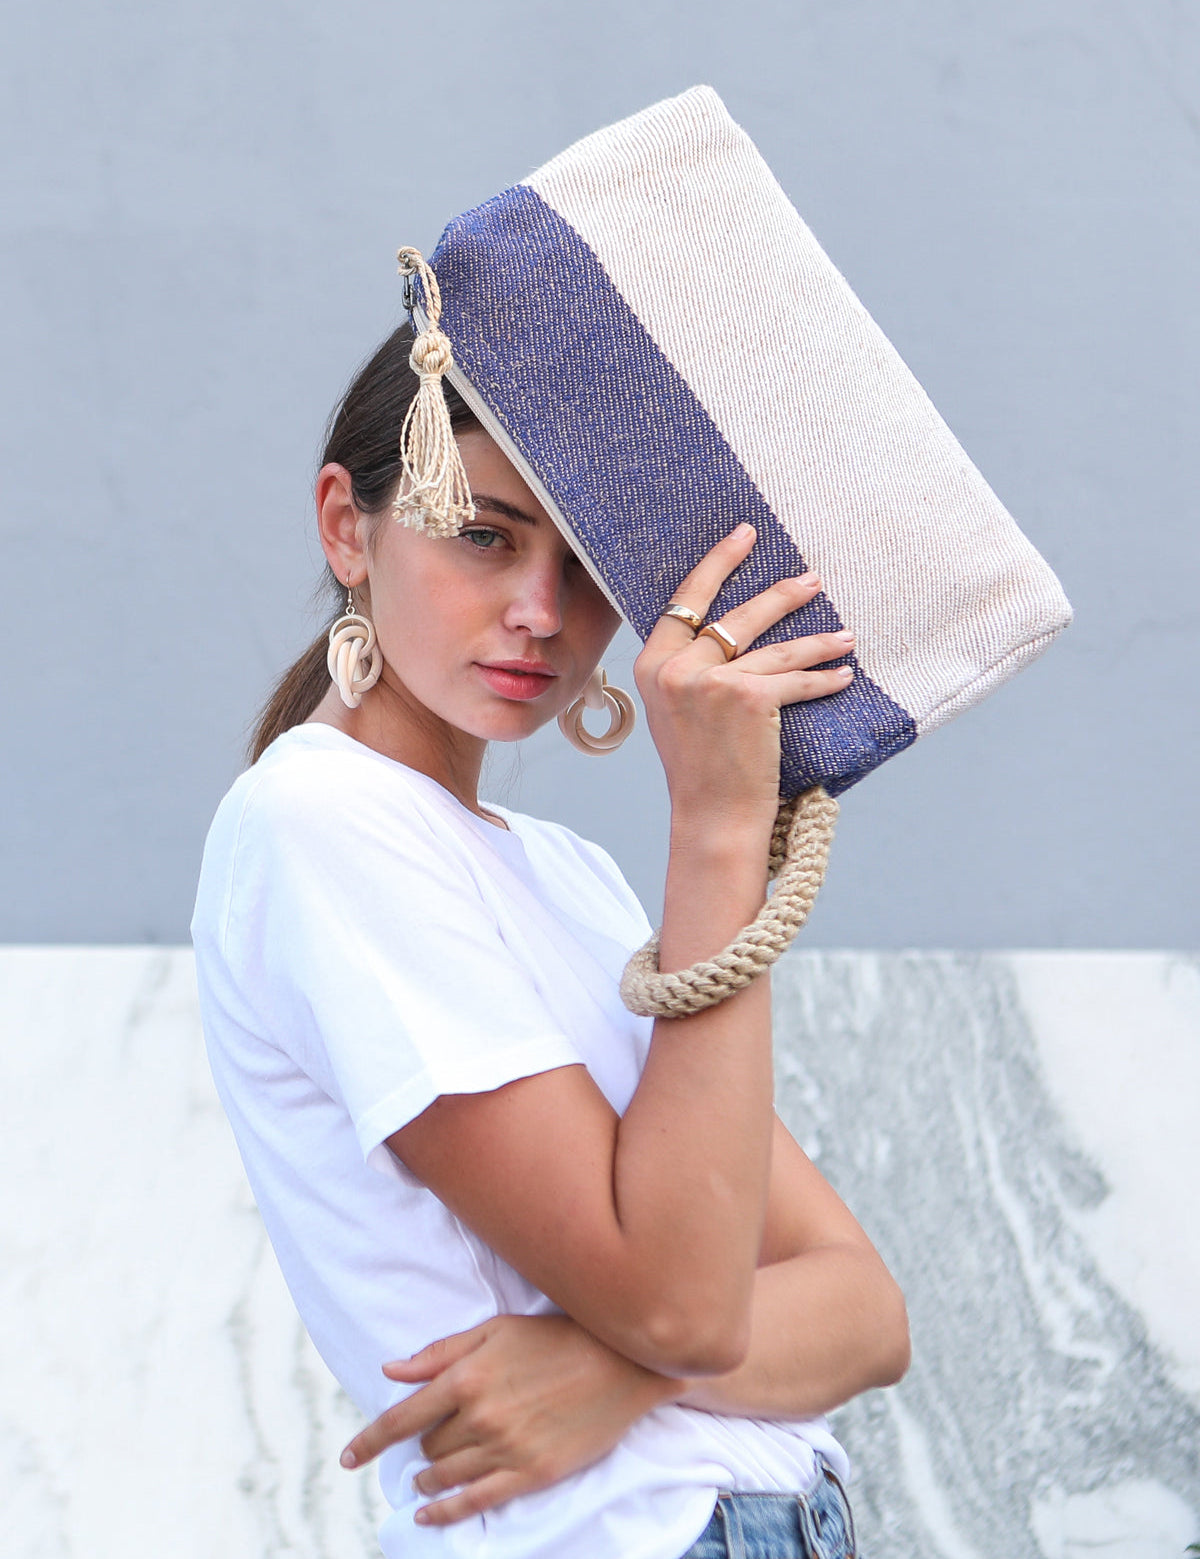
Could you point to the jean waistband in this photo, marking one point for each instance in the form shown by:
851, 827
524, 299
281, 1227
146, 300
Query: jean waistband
815, 1525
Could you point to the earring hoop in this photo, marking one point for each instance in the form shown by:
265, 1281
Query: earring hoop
622, 717
354, 659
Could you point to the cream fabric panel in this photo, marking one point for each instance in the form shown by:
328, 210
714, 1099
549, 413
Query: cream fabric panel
837, 434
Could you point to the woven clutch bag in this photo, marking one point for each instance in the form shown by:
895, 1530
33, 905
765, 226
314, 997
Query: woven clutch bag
663, 350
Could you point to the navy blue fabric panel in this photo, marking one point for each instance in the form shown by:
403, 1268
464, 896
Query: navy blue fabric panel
632, 459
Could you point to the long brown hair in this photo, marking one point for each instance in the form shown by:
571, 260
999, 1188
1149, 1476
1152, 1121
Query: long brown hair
363, 435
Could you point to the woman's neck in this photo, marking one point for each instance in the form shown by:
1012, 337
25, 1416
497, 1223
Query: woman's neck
392, 723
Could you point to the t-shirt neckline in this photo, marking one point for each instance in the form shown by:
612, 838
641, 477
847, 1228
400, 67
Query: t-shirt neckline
490, 830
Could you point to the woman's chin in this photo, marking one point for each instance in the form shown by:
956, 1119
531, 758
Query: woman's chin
511, 722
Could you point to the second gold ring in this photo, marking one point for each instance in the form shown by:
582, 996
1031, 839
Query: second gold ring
728, 643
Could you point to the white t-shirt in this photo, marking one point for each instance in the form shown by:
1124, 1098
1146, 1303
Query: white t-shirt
365, 943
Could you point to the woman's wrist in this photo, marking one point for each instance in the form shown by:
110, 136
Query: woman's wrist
728, 850
716, 884
703, 815
653, 1390
723, 835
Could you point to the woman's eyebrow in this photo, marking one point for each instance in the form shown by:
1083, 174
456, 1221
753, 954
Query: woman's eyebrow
498, 506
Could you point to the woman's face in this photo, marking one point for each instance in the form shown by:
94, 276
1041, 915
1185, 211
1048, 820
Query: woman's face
494, 631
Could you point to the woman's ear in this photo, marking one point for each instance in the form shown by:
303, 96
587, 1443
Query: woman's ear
340, 525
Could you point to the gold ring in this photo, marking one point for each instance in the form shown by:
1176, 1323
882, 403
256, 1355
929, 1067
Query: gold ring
685, 615
729, 645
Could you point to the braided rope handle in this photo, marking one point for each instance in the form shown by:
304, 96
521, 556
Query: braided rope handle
799, 853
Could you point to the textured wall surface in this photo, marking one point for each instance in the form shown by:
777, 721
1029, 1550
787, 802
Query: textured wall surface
201, 205
993, 1120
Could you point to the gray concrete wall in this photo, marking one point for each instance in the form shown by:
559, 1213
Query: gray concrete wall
201, 206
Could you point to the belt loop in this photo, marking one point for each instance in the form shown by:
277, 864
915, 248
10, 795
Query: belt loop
847, 1512
810, 1525
735, 1537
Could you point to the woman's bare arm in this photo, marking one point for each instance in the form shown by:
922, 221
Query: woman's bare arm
521, 1402
828, 1319
647, 1228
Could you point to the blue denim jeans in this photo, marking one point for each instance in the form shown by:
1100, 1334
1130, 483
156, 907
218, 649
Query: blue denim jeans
816, 1525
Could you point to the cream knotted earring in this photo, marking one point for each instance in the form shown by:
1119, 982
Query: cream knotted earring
354, 659
598, 695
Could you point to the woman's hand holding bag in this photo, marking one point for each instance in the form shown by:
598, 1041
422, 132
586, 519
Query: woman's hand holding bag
714, 715
726, 773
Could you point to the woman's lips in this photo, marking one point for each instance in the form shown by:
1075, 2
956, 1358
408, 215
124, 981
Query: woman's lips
512, 682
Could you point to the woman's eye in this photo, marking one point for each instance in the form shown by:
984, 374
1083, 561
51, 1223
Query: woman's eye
482, 537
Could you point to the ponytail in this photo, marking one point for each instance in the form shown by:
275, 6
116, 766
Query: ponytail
364, 436
293, 698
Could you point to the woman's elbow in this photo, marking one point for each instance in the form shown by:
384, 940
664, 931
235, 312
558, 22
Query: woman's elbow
894, 1340
678, 1343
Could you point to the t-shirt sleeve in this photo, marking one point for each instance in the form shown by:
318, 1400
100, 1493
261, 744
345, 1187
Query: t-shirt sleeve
359, 936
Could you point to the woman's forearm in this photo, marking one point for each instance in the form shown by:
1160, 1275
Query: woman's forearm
692, 1157
539, 1397
825, 1325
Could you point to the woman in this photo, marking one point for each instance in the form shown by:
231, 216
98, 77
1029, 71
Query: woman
456, 1134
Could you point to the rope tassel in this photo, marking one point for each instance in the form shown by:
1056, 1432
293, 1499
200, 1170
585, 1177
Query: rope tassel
434, 496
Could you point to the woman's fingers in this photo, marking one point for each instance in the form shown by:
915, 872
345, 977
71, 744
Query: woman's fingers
484, 1494
527, 1400
796, 654
699, 589
745, 623
802, 687
466, 1465
795, 671
416, 1415
423, 1410
439, 1355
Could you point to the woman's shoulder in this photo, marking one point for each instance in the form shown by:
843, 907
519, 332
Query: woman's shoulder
316, 792
318, 801
320, 816
315, 773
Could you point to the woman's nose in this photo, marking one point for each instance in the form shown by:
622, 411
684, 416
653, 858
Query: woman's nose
536, 605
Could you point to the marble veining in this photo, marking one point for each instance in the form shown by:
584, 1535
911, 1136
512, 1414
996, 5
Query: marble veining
160, 1396
1038, 1390
1015, 1131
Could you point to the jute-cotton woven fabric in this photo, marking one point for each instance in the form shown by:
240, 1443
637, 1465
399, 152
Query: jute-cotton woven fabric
664, 350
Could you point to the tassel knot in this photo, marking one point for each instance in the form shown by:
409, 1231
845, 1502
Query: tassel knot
434, 495
431, 353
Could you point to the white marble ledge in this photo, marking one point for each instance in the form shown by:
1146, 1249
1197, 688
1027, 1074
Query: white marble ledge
1019, 1135
160, 1396
1018, 1132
